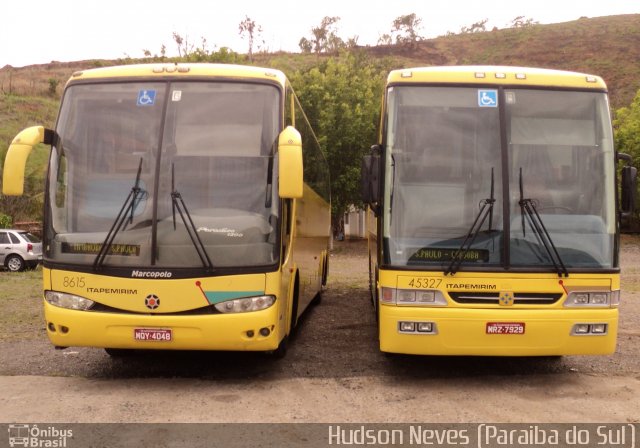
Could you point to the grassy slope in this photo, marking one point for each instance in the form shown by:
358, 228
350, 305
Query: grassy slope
607, 46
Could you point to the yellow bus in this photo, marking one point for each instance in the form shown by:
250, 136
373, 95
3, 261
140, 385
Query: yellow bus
187, 206
497, 221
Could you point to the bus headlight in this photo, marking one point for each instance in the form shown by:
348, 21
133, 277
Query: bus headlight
246, 304
69, 301
599, 299
412, 297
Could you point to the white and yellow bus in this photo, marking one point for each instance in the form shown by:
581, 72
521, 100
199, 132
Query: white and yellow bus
187, 206
497, 229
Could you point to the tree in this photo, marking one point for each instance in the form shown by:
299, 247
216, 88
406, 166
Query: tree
477, 27
305, 45
626, 124
252, 30
385, 39
184, 47
405, 29
522, 22
323, 38
341, 98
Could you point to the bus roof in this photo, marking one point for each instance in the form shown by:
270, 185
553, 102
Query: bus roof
499, 75
182, 71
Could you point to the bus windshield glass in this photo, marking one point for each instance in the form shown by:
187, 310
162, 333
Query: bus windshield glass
130, 149
456, 157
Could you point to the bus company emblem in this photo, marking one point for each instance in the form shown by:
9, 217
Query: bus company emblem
506, 298
152, 301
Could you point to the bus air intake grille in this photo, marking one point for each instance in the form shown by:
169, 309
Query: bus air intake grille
493, 298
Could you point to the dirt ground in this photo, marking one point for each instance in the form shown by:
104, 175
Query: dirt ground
333, 372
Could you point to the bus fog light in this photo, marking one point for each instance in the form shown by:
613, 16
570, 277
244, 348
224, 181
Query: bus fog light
598, 328
407, 327
68, 301
581, 329
425, 327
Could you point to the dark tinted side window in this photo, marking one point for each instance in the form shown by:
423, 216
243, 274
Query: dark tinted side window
4, 238
14, 239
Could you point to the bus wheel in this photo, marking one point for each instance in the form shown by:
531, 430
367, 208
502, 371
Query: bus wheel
281, 351
294, 307
325, 269
118, 352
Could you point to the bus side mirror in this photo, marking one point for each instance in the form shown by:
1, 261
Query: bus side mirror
370, 178
628, 190
16, 158
290, 169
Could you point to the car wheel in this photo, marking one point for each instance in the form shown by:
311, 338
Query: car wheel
15, 263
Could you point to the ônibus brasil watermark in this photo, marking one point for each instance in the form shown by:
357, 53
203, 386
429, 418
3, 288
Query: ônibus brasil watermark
38, 437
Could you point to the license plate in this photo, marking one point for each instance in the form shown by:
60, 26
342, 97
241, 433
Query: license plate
152, 334
505, 328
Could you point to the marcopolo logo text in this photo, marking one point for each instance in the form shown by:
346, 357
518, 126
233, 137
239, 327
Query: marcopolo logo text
151, 274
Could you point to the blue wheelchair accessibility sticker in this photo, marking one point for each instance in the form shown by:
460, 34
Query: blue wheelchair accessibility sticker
487, 98
146, 98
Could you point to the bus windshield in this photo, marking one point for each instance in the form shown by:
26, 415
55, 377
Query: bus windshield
464, 163
129, 149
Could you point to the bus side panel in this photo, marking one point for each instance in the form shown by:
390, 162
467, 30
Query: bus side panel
311, 242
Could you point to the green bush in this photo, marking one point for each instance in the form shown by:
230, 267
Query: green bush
5, 221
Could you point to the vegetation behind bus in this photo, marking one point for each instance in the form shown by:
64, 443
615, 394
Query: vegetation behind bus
340, 89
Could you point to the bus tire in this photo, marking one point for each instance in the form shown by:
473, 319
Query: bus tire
294, 307
281, 351
118, 352
325, 269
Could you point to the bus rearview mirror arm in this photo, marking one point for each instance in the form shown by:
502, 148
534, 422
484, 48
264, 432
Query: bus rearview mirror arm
628, 186
370, 179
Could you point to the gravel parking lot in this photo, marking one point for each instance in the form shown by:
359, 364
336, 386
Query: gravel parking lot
332, 373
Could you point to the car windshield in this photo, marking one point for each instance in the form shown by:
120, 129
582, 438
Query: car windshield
29, 237
455, 158
157, 167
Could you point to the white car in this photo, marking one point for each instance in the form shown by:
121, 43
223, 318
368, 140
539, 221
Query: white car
19, 249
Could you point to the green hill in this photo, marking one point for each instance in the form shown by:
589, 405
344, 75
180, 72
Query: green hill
604, 46
328, 86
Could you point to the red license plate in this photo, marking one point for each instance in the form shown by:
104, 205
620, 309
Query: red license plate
152, 334
505, 328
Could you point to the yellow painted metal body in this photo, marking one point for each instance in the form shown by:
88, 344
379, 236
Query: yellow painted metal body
16, 159
190, 331
533, 77
461, 328
120, 302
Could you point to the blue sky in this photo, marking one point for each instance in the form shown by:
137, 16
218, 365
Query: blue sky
40, 31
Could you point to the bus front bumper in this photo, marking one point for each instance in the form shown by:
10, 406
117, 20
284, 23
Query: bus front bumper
485, 332
237, 332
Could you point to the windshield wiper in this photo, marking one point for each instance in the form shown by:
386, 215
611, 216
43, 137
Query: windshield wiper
486, 211
126, 214
178, 204
393, 187
528, 209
